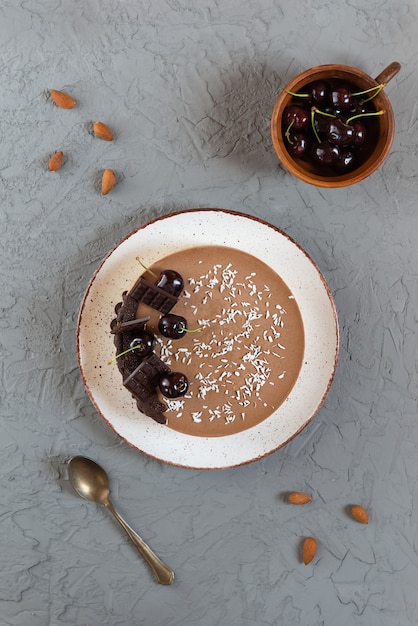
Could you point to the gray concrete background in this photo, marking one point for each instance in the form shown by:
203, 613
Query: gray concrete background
188, 89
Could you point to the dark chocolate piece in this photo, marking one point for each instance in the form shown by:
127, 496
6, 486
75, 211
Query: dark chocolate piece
144, 379
120, 327
118, 307
153, 407
125, 312
141, 376
142, 383
128, 309
155, 297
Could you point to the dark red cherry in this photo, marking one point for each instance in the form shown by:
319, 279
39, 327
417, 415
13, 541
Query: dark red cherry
346, 160
143, 342
170, 281
339, 133
297, 144
357, 108
319, 91
173, 384
325, 153
360, 133
172, 326
297, 116
340, 97
321, 123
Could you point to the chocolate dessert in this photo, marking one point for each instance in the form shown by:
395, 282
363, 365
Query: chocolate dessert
235, 353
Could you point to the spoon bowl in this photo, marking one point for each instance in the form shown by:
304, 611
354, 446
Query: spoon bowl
91, 482
89, 479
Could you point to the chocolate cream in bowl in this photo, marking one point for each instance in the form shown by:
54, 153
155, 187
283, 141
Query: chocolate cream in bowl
247, 351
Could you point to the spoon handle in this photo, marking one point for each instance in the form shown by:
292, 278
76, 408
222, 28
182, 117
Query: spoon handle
162, 572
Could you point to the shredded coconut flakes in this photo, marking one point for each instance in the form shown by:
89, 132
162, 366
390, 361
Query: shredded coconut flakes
235, 331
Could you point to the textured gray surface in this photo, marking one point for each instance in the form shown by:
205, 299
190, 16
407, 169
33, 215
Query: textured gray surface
188, 89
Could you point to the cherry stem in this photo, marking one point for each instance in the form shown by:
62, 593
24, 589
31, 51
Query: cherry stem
313, 111
124, 352
371, 97
287, 135
377, 89
300, 95
371, 114
146, 268
193, 330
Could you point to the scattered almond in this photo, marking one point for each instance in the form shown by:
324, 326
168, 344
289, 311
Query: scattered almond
108, 181
55, 161
309, 549
102, 131
62, 99
360, 514
298, 497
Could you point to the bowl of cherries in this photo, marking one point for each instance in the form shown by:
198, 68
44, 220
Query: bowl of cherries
333, 125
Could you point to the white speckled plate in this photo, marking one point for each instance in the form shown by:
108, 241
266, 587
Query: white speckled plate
170, 234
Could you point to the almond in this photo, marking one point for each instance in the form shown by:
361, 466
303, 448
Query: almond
309, 549
108, 181
102, 131
298, 497
360, 514
55, 161
62, 99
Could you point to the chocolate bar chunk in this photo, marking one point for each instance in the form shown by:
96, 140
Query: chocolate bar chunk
154, 296
144, 379
142, 383
120, 327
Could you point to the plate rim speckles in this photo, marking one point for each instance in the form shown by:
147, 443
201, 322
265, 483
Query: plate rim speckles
159, 238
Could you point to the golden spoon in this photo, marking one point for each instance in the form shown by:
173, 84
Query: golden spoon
92, 483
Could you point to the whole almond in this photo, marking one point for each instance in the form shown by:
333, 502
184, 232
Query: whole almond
102, 131
298, 497
309, 549
108, 181
55, 161
360, 514
62, 99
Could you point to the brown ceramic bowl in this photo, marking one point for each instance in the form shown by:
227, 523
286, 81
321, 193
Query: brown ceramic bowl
380, 131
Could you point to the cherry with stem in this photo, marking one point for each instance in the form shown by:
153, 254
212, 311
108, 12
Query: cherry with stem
168, 280
143, 343
316, 110
174, 326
